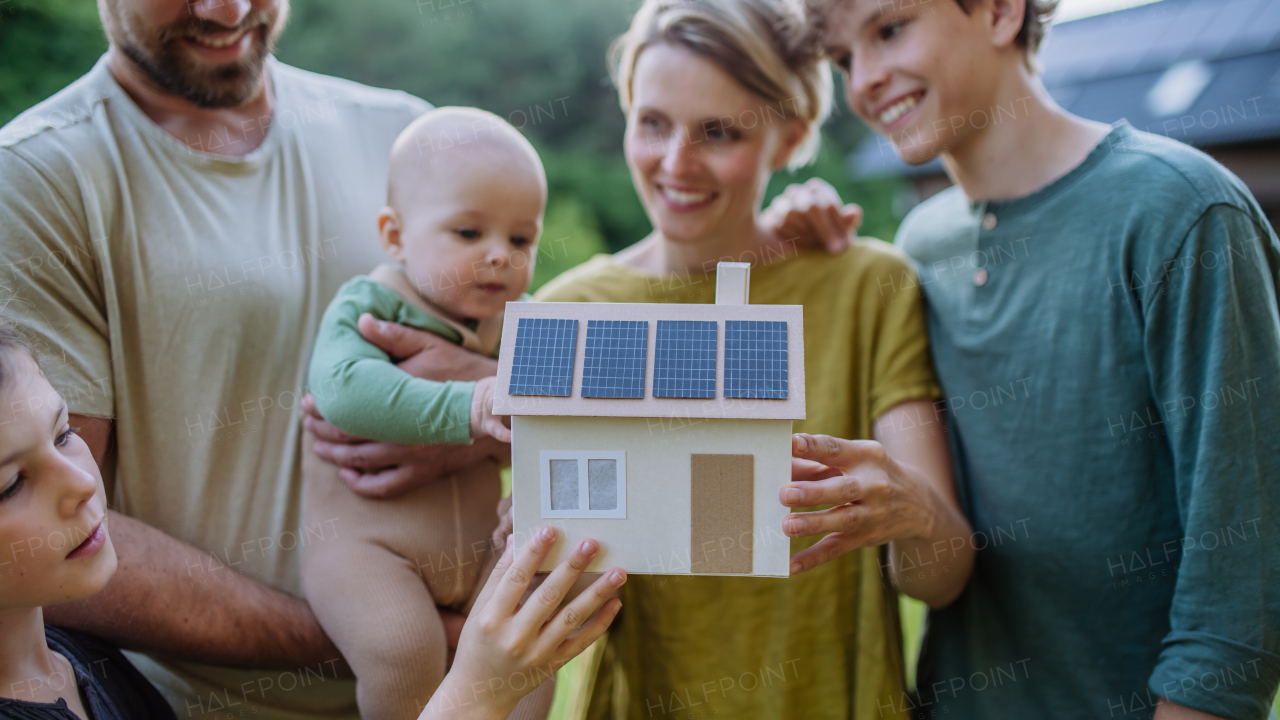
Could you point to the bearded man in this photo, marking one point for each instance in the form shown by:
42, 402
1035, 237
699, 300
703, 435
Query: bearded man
172, 226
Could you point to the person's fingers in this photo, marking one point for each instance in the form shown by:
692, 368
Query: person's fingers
575, 614
841, 518
517, 577
494, 427
861, 484
383, 484
495, 579
309, 408
573, 645
837, 452
547, 598
826, 549
852, 215
363, 456
823, 220
808, 471
322, 430
398, 341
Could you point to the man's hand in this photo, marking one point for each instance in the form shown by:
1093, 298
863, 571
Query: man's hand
424, 355
382, 470
812, 214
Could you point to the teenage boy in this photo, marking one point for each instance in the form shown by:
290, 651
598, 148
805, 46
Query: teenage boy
1104, 321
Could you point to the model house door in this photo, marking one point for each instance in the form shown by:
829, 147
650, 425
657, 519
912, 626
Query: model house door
723, 521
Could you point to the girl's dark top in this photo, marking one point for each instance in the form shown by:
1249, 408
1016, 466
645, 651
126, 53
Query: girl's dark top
110, 687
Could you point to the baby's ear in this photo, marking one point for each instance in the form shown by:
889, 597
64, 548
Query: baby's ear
389, 232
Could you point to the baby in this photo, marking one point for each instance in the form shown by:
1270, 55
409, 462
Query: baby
465, 202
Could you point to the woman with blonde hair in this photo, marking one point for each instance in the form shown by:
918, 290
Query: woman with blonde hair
719, 94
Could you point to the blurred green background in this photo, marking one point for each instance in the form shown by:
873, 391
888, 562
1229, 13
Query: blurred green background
538, 63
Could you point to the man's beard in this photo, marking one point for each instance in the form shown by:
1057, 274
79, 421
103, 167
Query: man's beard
159, 55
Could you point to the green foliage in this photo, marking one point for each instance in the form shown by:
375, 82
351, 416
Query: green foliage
570, 237
44, 45
540, 64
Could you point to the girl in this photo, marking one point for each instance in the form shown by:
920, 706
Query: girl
55, 548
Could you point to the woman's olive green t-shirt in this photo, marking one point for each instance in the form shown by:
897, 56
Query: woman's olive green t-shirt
823, 644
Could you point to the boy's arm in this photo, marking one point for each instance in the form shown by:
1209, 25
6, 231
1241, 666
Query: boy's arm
358, 389
1212, 338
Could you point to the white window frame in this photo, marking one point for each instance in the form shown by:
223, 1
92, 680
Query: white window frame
584, 487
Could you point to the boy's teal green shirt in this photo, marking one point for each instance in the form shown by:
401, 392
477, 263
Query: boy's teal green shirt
361, 392
1110, 348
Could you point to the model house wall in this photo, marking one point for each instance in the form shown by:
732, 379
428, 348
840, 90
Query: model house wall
662, 431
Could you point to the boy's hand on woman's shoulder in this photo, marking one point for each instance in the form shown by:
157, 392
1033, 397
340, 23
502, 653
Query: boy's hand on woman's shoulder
812, 213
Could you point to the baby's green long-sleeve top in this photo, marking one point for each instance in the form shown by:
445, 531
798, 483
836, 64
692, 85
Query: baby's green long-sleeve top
361, 392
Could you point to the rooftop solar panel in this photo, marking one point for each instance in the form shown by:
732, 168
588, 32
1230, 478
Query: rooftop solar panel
755, 359
543, 360
613, 363
684, 364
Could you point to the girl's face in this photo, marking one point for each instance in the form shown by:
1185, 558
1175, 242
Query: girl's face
54, 545
701, 147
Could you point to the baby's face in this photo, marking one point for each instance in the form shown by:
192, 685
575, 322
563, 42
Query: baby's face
468, 240
54, 545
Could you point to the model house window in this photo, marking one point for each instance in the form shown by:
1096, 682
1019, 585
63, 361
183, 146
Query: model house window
584, 484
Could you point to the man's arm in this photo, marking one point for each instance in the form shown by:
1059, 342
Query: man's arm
170, 598
376, 469
347, 370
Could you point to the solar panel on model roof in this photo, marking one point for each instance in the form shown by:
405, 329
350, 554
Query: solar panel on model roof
542, 363
755, 359
684, 363
613, 363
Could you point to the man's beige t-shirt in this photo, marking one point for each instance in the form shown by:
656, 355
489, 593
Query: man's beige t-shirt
179, 292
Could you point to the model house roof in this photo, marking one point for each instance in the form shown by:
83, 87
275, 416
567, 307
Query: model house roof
1205, 72
727, 360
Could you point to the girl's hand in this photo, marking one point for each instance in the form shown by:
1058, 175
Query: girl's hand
483, 421
508, 649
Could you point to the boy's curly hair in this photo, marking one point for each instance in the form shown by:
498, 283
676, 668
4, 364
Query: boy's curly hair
1035, 23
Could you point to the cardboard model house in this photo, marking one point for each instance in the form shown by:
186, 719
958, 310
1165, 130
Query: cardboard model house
661, 430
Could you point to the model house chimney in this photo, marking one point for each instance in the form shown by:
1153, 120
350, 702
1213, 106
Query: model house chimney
733, 282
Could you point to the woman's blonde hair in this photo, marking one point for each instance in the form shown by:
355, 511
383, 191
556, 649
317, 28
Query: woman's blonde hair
763, 44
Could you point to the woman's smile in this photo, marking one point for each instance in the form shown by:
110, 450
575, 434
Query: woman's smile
684, 199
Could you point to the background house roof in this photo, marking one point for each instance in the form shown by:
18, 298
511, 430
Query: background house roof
563, 393
1205, 72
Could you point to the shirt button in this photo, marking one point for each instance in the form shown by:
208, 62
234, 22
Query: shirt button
989, 221
980, 277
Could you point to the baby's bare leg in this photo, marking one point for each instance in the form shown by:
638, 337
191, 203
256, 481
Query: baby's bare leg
379, 613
